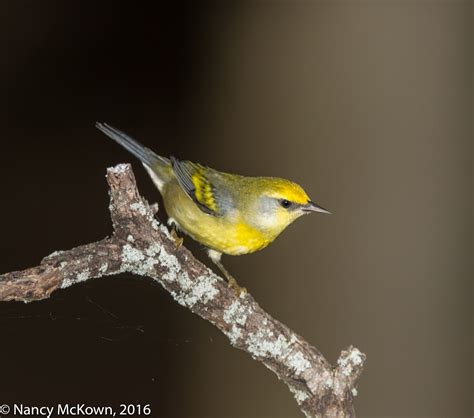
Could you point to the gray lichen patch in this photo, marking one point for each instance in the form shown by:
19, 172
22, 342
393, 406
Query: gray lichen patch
137, 261
172, 265
153, 250
103, 268
329, 381
118, 169
79, 277
54, 254
202, 289
346, 363
237, 313
298, 362
83, 275
131, 255
300, 395
234, 334
163, 229
156, 226
139, 207
66, 283
264, 344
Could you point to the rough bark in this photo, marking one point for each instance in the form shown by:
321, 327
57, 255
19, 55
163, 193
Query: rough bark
142, 246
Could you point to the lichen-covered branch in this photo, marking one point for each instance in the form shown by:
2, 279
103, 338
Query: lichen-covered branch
142, 246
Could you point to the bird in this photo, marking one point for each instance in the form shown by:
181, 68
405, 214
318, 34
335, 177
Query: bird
227, 213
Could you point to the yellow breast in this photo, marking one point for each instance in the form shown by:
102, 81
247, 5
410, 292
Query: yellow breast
228, 235
246, 239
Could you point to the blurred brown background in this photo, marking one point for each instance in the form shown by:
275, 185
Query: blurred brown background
366, 104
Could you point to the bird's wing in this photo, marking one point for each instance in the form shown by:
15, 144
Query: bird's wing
202, 186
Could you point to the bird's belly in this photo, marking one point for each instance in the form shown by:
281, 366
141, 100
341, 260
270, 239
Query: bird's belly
227, 235
222, 236
233, 239
228, 240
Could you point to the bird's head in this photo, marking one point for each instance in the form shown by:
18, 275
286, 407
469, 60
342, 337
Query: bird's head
279, 203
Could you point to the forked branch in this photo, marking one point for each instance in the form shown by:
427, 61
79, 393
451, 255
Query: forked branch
141, 245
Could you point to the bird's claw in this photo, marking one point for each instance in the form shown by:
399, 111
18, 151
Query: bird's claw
235, 286
177, 240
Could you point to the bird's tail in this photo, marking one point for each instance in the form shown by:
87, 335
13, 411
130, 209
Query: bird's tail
159, 168
144, 154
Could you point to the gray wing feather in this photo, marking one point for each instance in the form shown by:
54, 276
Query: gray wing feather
215, 198
183, 174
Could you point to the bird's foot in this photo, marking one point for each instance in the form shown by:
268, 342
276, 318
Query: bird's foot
235, 286
177, 240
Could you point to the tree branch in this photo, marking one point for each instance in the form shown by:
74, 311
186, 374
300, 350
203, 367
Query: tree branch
142, 246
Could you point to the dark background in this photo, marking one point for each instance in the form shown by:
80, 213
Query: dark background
366, 104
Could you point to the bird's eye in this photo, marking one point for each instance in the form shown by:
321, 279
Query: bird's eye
285, 203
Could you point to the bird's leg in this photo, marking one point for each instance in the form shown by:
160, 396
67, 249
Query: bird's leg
216, 259
231, 281
177, 239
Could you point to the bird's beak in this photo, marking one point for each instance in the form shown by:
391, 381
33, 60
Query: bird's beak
313, 207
